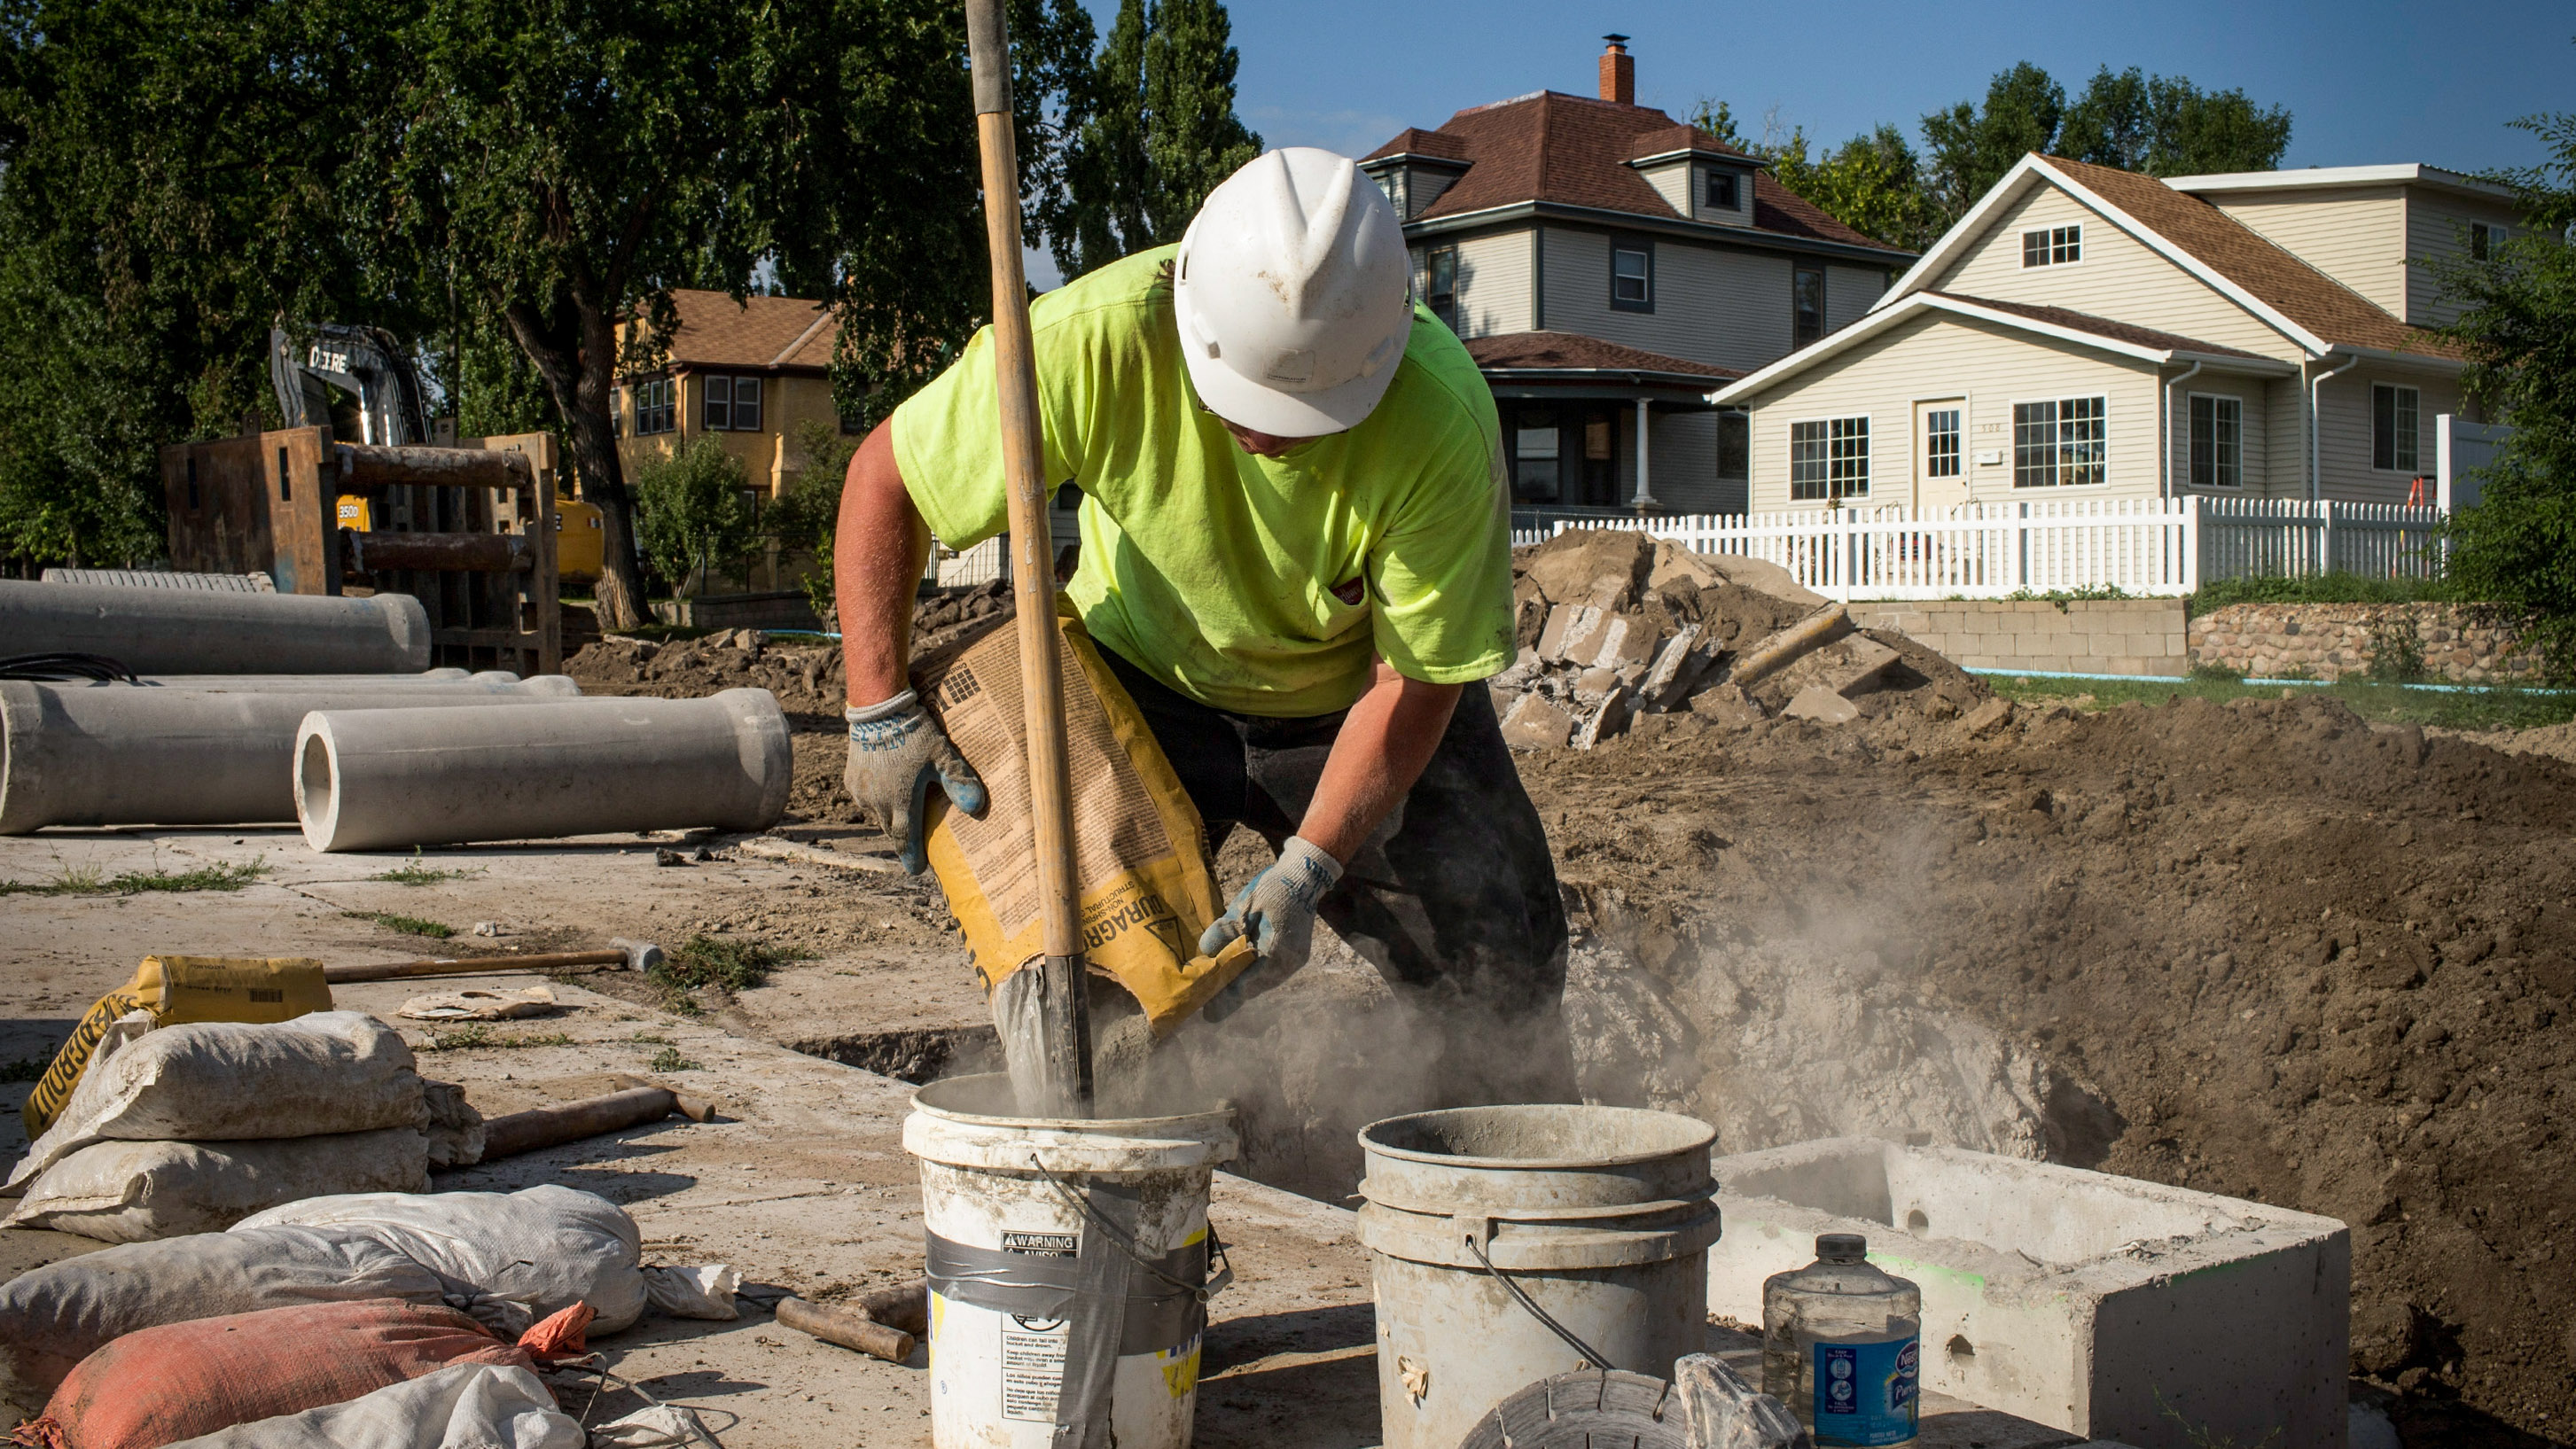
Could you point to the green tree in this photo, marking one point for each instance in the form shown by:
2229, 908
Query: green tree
2166, 126
1717, 118
1970, 148
1151, 131
808, 518
2518, 546
1872, 184
692, 511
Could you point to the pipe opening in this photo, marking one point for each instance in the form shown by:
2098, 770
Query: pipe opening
313, 780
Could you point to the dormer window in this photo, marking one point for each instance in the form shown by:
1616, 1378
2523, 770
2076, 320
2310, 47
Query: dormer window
1721, 192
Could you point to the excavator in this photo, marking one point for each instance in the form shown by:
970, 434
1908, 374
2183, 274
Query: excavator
370, 366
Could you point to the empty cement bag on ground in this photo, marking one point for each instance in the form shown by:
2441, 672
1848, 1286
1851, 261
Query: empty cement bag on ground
182, 1381
54, 1316
462, 1406
114, 754
383, 779
187, 631
542, 1248
322, 1073
1140, 848
134, 1192
174, 991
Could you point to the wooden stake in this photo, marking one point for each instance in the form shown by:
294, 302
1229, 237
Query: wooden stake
1066, 1069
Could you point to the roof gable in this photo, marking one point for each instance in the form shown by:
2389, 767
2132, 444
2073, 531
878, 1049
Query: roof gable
764, 332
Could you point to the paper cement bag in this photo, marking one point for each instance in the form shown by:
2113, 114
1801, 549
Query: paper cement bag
1140, 848
176, 990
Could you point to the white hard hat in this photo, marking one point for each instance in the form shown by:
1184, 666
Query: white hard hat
1293, 295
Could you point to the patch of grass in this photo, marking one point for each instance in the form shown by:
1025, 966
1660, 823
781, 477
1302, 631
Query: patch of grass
2338, 587
480, 1034
651, 1038
2087, 593
89, 880
715, 961
407, 925
2378, 701
418, 874
668, 1059
25, 1069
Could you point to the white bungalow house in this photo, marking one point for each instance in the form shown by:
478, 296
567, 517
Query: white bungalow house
2090, 332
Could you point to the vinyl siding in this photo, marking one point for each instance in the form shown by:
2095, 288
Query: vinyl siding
1681, 463
1712, 304
2435, 228
1991, 368
2253, 453
2344, 413
2357, 237
2119, 277
2285, 442
1849, 294
1672, 182
1494, 284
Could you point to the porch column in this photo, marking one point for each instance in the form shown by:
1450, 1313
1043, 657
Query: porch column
1645, 498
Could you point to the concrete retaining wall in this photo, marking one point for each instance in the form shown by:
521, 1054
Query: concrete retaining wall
2094, 636
2327, 641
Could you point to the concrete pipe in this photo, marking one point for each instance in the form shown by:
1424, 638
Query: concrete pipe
113, 754
393, 778
188, 631
238, 683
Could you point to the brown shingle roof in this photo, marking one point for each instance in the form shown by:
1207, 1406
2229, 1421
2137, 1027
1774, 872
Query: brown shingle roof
1566, 350
1572, 150
2235, 251
2100, 326
1419, 142
760, 332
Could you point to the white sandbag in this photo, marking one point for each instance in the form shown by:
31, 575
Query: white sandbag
545, 1248
702, 1292
54, 1316
133, 1192
662, 1426
326, 1073
462, 1406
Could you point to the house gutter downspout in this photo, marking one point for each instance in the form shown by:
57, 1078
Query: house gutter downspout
2316, 426
2164, 401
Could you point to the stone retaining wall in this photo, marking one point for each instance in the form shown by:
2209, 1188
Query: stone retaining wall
2086, 636
2326, 641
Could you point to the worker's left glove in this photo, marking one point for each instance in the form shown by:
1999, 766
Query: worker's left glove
1277, 910
897, 752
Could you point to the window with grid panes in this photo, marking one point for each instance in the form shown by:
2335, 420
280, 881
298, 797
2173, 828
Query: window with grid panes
2395, 416
2061, 443
2052, 246
1829, 458
1941, 443
1632, 276
2217, 441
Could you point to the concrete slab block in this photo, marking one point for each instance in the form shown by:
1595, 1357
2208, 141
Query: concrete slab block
1825, 706
1626, 640
2100, 1305
1536, 724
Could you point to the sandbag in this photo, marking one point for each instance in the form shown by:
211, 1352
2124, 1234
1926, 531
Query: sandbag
133, 1192
185, 1380
324, 1073
175, 990
544, 1248
54, 1316
462, 1406
1141, 850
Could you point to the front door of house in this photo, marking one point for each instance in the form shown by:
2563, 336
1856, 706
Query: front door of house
1940, 459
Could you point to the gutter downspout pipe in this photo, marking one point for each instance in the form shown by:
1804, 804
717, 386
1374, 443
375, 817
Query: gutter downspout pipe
2316, 426
2167, 488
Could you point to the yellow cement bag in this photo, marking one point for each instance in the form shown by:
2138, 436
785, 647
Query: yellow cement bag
1140, 848
178, 989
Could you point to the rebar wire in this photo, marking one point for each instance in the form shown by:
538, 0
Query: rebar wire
1591, 1355
1118, 1238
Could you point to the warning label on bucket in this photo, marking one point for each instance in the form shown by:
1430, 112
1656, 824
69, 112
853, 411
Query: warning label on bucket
1033, 1366
1044, 1245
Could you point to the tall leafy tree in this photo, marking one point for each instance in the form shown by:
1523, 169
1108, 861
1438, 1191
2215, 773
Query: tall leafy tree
1971, 147
2518, 546
1152, 130
1872, 184
2166, 126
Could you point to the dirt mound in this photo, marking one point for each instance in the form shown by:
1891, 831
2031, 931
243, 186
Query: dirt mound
2262, 949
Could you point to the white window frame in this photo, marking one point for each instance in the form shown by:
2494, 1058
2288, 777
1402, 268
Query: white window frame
2225, 473
1858, 479
1635, 246
753, 384
655, 400
1931, 408
2058, 466
2059, 246
2412, 438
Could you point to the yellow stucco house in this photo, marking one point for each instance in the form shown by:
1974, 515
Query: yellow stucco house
751, 373
2086, 332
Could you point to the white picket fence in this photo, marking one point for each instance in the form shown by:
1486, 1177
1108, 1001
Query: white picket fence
2142, 547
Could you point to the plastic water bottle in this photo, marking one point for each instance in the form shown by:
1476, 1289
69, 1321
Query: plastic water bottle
1842, 1346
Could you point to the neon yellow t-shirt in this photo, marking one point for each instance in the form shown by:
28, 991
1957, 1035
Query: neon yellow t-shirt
1216, 571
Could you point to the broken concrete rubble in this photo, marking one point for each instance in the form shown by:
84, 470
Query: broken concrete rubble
1823, 705
1533, 723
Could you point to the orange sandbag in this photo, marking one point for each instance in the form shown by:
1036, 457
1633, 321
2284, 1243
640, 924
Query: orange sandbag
162, 1385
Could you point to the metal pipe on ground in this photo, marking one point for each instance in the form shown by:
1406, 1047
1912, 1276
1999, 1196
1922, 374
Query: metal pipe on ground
93, 754
836, 1325
190, 631
236, 683
1790, 645
378, 779
623, 955
542, 1127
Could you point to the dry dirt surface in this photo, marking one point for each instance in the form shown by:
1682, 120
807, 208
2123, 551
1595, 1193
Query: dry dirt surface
2265, 950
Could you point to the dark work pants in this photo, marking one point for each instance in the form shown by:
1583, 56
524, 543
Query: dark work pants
1454, 898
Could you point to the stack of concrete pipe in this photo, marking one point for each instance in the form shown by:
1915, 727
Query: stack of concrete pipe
188, 631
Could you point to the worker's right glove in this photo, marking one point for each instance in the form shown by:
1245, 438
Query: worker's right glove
1277, 910
897, 751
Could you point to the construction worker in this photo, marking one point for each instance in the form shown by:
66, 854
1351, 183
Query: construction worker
1295, 555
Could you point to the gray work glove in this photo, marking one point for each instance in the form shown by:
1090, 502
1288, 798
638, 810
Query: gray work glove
897, 751
1277, 910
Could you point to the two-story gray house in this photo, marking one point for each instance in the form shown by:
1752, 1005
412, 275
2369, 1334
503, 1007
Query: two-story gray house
1609, 268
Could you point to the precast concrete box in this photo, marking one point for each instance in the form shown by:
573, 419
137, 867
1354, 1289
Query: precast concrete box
2101, 1305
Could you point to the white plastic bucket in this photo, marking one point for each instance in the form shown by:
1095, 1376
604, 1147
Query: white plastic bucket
1023, 1278
1601, 1215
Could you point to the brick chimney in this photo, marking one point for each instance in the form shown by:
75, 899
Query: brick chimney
1618, 72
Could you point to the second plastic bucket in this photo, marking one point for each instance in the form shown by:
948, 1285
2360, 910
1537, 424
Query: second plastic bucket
1601, 1215
1067, 1263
